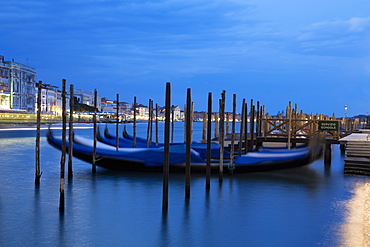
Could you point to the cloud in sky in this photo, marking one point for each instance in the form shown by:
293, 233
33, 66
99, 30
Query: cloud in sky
254, 48
346, 38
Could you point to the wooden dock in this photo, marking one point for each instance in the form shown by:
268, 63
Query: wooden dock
357, 151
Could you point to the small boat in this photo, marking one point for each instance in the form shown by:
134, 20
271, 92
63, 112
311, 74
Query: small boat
152, 159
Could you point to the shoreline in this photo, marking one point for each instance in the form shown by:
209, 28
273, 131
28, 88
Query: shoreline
17, 125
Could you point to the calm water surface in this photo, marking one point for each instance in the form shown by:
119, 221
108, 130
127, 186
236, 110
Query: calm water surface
310, 206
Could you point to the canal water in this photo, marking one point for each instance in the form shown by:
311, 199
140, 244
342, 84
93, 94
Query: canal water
309, 206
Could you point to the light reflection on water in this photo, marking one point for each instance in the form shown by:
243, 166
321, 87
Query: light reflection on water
356, 229
298, 207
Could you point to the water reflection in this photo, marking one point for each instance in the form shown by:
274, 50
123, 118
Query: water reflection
164, 239
288, 208
356, 229
185, 225
61, 232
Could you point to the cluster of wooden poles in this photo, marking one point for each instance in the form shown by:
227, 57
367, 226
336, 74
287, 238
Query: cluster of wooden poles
245, 142
70, 139
168, 120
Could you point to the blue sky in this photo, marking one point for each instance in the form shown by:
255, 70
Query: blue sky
313, 53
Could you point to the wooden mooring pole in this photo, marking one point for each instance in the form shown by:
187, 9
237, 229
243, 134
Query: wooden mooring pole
257, 113
222, 135
216, 125
251, 125
134, 125
156, 124
327, 154
188, 120
63, 158
172, 123
263, 112
95, 132
117, 121
151, 111
192, 121
166, 160
246, 144
38, 171
227, 122
149, 127
70, 131
242, 129
289, 124
209, 136
204, 129
231, 164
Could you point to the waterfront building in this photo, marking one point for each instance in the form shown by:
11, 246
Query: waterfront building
109, 107
125, 107
17, 86
51, 100
178, 115
87, 98
142, 111
4, 85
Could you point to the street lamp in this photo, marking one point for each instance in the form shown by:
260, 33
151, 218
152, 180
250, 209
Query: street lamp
344, 117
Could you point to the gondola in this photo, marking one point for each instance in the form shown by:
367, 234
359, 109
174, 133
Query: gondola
152, 159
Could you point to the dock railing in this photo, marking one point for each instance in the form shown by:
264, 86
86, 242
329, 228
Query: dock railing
300, 125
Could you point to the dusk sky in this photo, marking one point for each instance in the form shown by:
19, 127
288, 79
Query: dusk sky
313, 53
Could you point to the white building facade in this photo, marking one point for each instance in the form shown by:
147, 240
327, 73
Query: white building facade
17, 86
51, 100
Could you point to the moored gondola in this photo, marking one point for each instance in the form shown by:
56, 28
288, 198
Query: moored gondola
151, 159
